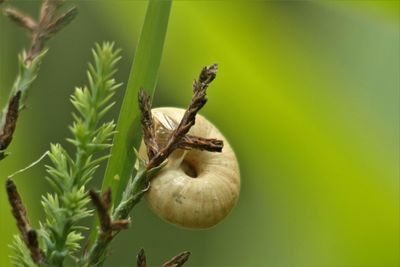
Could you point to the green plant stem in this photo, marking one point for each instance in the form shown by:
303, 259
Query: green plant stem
27, 74
132, 195
143, 75
96, 256
68, 175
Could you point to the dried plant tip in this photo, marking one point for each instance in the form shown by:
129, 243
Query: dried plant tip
48, 10
39, 32
200, 143
199, 99
10, 123
208, 74
21, 19
178, 260
33, 245
49, 25
102, 211
141, 259
18, 209
147, 124
62, 21
29, 236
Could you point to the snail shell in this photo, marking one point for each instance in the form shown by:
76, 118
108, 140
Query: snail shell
196, 189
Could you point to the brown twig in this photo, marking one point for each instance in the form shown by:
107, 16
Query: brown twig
9, 124
103, 205
140, 184
178, 260
28, 234
102, 211
41, 31
178, 138
23, 20
108, 228
147, 124
200, 143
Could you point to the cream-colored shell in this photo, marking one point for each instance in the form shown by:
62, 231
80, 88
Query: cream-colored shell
199, 202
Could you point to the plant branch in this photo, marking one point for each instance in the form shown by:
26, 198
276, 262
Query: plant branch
138, 185
109, 228
70, 174
200, 143
199, 99
149, 136
29, 63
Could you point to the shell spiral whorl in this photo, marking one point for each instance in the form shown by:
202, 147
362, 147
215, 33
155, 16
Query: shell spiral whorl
196, 189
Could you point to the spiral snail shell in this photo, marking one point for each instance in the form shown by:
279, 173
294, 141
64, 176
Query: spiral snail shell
196, 189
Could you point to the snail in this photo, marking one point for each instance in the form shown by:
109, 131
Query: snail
196, 189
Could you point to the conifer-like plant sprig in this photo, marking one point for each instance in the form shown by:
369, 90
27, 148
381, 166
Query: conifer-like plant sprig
69, 173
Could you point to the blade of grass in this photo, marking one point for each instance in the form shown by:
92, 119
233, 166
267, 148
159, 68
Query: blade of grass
143, 74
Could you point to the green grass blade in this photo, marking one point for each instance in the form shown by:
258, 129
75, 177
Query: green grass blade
143, 74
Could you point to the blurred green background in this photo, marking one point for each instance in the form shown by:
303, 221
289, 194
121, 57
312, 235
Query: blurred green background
308, 95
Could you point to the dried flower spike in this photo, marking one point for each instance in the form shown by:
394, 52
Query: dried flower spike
197, 188
10, 122
27, 234
50, 22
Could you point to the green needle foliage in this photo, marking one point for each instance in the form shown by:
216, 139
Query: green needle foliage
60, 233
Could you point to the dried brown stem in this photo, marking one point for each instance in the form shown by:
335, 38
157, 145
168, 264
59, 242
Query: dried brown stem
48, 10
178, 260
102, 211
199, 99
59, 23
9, 124
28, 235
108, 228
141, 259
103, 205
33, 245
148, 124
200, 143
140, 184
40, 31
21, 19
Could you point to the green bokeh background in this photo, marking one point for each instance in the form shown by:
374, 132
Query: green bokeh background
308, 95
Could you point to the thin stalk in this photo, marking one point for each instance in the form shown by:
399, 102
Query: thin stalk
143, 75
